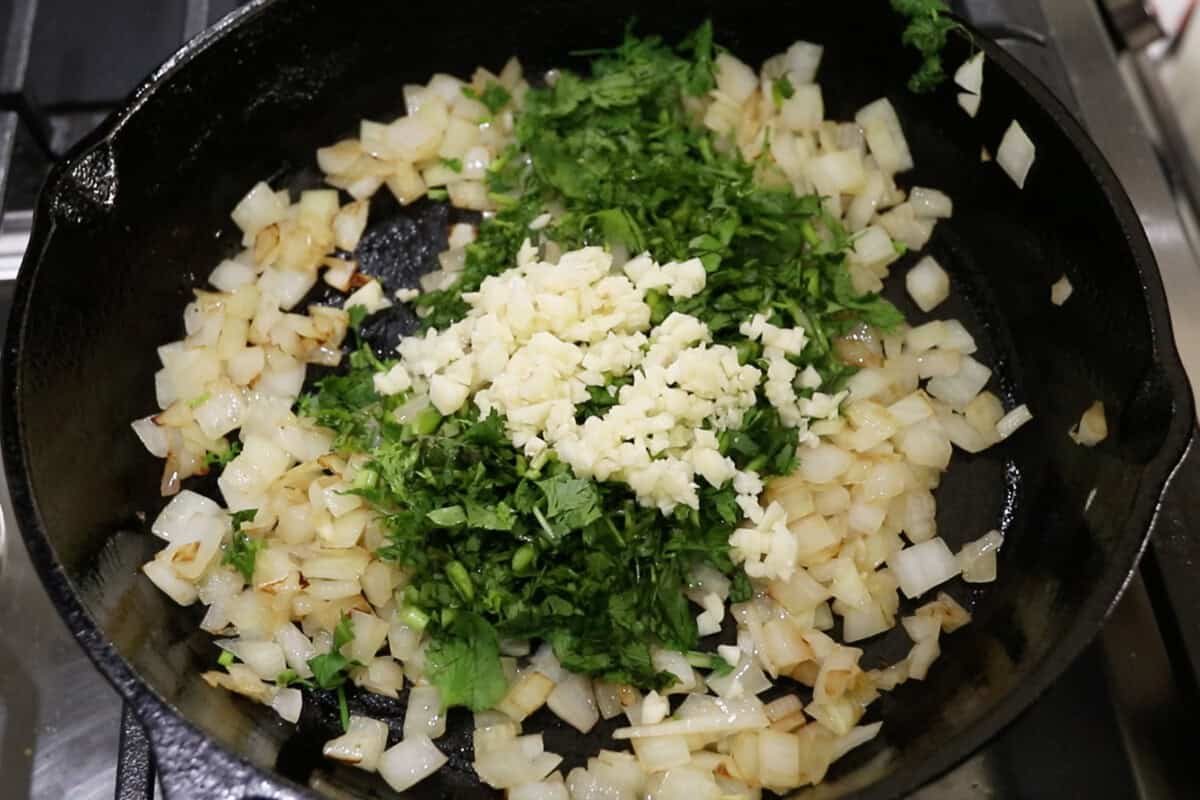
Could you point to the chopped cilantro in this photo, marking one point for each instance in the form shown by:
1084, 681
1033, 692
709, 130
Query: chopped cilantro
616, 150
289, 677
225, 659
499, 545
494, 96
710, 661
466, 666
782, 89
343, 709
329, 669
242, 550
454, 164
215, 458
928, 27
438, 194
357, 314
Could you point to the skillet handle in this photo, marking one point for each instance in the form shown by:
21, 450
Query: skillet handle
191, 766
1171, 562
135, 764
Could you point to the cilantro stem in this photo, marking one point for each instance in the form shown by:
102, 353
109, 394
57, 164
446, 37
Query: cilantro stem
427, 421
541, 518
414, 618
366, 479
461, 579
523, 557
343, 709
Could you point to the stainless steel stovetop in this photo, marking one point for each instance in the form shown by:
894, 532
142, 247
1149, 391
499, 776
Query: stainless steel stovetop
1111, 727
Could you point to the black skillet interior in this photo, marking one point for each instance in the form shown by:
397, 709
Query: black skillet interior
140, 215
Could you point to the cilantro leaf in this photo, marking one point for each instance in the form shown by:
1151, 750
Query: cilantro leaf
447, 516
782, 89
499, 517
343, 633
454, 164
329, 669
357, 313
494, 96
926, 32
464, 664
572, 503
242, 550
214, 458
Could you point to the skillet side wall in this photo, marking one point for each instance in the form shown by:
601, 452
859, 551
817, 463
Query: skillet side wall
144, 216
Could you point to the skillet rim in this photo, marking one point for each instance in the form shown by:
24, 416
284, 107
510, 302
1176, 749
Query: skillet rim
181, 743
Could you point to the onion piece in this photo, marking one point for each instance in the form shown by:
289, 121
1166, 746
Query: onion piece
660, 753
969, 103
1016, 154
930, 203
162, 576
960, 389
573, 701
707, 715
978, 558
176, 519
1061, 290
540, 790
1092, 427
258, 209
410, 762
265, 658
969, 75
927, 284
361, 745
526, 695
288, 704
921, 567
608, 701
297, 648
424, 715
520, 761
1014, 419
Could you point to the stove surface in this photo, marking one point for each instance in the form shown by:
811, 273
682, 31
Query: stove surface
1106, 729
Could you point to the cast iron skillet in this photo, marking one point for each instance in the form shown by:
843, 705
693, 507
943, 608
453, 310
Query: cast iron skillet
138, 214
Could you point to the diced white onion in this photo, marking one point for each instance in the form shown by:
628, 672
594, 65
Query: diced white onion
526, 695
540, 790
659, 753
1061, 290
978, 558
258, 209
930, 203
410, 762
265, 658
362, 744
574, 703
1013, 420
161, 575
969, 75
922, 566
288, 704
424, 715
152, 436
1016, 154
1092, 427
927, 284
969, 103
